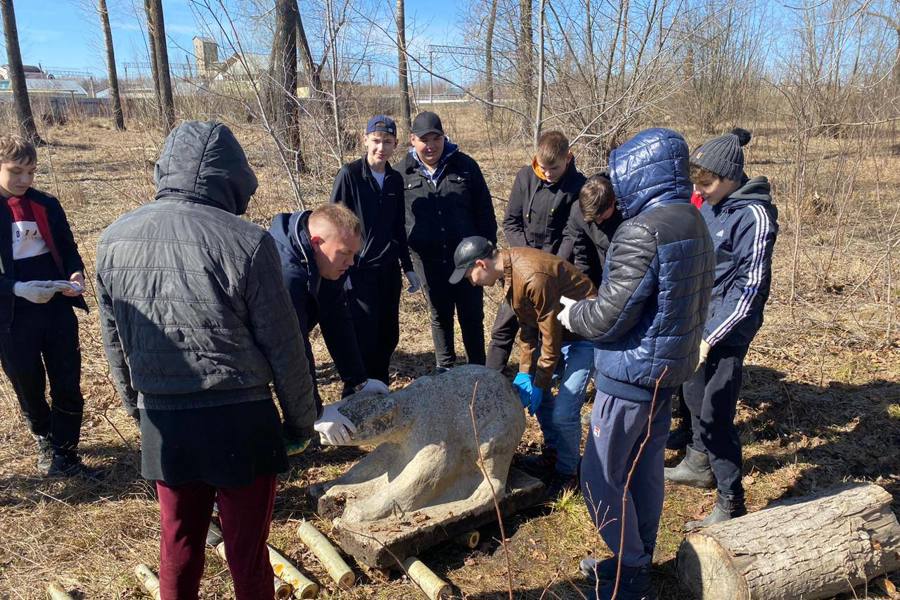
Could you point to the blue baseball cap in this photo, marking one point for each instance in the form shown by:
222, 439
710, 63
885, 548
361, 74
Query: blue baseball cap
381, 123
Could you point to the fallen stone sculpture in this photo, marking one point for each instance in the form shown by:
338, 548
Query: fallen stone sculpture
424, 482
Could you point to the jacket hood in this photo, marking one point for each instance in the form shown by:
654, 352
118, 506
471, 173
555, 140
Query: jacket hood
650, 169
290, 230
202, 161
752, 191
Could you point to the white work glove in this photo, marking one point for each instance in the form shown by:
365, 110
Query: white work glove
563, 316
415, 284
704, 352
373, 386
39, 292
334, 428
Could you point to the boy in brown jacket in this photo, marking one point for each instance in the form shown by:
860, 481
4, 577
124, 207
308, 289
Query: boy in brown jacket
534, 282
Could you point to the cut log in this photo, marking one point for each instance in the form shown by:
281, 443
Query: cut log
57, 592
812, 547
148, 579
433, 586
287, 572
327, 554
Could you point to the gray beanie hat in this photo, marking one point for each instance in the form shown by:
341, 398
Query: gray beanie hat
723, 155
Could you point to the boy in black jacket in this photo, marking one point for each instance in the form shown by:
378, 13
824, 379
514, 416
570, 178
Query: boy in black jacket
41, 280
542, 196
374, 192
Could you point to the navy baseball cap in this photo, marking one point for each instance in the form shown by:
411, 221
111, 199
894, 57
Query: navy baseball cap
381, 123
467, 252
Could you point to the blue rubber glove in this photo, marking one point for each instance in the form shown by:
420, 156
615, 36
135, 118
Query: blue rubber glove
524, 385
537, 394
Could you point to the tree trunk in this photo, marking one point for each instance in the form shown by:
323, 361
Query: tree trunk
284, 53
539, 100
489, 60
118, 117
402, 68
17, 74
167, 102
312, 71
526, 59
809, 548
154, 65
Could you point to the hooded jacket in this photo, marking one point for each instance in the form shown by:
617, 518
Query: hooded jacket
190, 313
648, 317
537, 211
743, 227
452, 204
317, 300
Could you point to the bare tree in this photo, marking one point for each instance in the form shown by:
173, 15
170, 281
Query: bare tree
154, 64
17, 74
313, 71
118, 117
158, 30
539, 100
489, 60
402, 67
525, 52
284, 53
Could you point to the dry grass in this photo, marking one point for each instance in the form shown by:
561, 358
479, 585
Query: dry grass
820, 404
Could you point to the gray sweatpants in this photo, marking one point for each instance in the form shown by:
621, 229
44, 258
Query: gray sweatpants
618, 427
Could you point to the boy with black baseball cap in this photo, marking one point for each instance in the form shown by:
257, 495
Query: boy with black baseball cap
374, 192
447, 199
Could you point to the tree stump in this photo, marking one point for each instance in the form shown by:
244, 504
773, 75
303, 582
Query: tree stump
812, 547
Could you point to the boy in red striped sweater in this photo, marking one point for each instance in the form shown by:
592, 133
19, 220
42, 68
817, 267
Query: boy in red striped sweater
41, 280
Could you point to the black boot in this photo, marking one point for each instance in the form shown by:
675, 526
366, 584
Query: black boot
693, 470
727, 507
679, 438
634, 584
44, 454
542, 466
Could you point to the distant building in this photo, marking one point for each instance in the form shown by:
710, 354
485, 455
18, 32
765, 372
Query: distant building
47, 87
31, 72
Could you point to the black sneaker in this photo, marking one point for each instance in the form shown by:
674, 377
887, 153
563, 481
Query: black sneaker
70, 465
560, 483
44, 454
542, 465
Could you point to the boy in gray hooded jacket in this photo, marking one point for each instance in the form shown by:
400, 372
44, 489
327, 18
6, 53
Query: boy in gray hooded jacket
743, 224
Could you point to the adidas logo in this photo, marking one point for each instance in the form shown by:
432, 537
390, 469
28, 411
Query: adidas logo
721, 233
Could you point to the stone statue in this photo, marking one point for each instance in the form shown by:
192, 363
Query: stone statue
426, 458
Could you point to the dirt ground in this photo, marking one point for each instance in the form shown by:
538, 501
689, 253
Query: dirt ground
820, 403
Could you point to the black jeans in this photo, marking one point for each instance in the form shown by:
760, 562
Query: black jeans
503, 337
712, 395
42, 344
444, 299
374, 300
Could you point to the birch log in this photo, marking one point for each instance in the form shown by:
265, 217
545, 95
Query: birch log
815, 547
327, 554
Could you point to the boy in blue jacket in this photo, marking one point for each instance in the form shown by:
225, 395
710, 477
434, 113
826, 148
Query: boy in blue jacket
41, 281
743, 224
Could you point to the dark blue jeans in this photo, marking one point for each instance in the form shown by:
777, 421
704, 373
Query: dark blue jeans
618, 427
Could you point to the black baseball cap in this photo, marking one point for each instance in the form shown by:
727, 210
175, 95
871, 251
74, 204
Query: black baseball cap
425, 123
467, 252
381, 123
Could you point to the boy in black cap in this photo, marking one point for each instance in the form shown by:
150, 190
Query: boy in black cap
374, 192
446, 200
534, 282
743, 224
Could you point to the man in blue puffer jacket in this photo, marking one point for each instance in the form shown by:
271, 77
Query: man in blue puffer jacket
646, 324
743, 224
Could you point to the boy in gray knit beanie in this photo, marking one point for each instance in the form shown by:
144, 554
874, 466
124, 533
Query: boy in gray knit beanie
743, 224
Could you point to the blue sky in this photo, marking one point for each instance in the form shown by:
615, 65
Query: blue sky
65, 34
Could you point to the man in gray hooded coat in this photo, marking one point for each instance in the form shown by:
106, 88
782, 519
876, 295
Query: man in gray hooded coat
196, 323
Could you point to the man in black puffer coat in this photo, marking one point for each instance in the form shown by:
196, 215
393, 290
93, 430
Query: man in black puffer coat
196, 323
646, 324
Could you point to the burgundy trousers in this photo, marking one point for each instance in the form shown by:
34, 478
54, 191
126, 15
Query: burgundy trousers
244, 513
